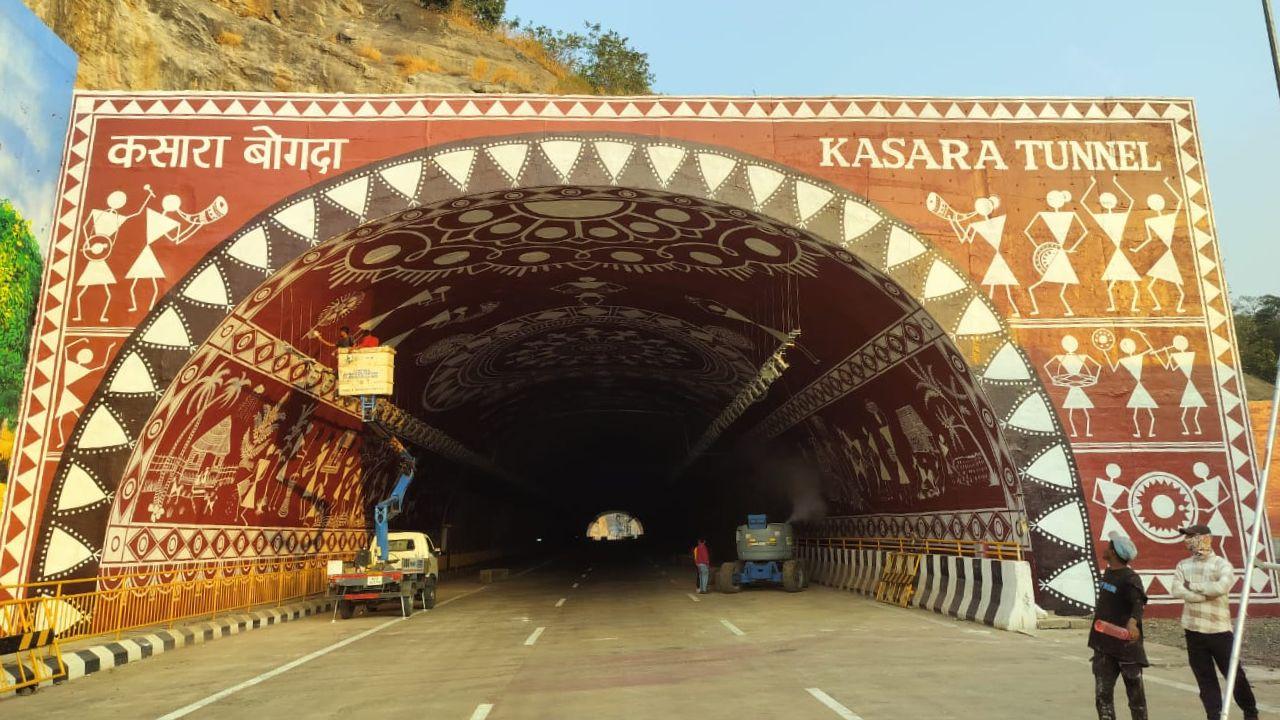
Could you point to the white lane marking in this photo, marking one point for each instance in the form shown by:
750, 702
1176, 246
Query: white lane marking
732, 628
188, 709
831, 703
534, 637
575, 585
693, 597
584, 575
1148, 677
560, 602
482, 711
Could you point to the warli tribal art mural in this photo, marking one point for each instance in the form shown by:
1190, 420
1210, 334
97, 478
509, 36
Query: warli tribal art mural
1004, 320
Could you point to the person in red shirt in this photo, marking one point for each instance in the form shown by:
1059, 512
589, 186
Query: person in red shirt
702, 558
368, 340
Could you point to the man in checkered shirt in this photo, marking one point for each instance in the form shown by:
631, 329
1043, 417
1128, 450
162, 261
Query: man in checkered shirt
1204, 582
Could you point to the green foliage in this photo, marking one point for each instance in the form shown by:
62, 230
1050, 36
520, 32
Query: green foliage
1258, 334
20, 267
605, 59
488, 13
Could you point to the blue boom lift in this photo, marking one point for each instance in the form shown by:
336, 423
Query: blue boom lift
370, 580
766, 554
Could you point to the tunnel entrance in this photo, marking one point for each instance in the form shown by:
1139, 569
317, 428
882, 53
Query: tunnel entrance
615, 525
566, 347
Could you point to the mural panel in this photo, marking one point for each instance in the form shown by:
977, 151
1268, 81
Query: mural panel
1061, 253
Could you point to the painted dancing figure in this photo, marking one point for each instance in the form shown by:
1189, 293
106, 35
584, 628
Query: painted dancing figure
1161, 226
1052, 257
102, 228
1075, 371
72, 371
1131, 359
1178, 357
1113, 222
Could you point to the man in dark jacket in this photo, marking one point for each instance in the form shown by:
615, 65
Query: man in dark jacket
1121, 599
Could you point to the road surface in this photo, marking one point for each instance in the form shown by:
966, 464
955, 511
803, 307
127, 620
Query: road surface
578, 638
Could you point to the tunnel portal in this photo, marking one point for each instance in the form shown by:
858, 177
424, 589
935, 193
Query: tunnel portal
659, 315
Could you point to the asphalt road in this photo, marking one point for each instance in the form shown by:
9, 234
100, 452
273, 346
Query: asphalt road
581, 638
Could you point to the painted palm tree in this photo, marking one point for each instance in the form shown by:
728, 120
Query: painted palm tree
216, 389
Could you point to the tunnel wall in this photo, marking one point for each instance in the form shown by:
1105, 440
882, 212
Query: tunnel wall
987, 198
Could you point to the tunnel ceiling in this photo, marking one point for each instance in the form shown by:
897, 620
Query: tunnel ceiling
514, 311
150, 432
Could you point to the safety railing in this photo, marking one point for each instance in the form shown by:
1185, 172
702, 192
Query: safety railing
995, 550
113, 604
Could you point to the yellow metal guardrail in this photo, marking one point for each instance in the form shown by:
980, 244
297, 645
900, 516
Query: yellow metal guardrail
898, 578
924, 546
114, 604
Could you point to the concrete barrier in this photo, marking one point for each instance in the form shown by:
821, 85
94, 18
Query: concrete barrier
492, 575
998, 593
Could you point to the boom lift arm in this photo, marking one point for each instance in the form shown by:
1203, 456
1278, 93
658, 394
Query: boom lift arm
394, 503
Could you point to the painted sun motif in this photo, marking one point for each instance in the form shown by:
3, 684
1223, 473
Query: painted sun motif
1159, 504
339, 308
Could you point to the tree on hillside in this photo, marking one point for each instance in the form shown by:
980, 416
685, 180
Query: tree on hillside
1258, 334
20, 267
486, 12
604, 58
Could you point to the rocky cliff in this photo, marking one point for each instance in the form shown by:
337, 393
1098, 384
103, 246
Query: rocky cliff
293, 46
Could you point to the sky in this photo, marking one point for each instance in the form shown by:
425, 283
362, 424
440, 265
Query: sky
1213, 52
36, 80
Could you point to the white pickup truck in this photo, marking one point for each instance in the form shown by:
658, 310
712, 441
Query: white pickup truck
410, 574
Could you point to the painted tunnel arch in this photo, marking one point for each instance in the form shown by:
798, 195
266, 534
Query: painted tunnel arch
848, 229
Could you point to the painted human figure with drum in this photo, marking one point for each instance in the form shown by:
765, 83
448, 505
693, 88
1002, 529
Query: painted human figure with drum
1052, 256
1131, 359
1113, 220
102, 229
1160, 226
1075, 371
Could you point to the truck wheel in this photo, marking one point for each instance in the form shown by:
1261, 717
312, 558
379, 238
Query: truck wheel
429, 595
346, 609
725, 580
792, 576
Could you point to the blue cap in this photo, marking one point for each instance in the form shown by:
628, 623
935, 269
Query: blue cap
1123, 546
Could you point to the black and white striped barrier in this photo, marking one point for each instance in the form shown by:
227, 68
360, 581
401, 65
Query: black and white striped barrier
998, 593
109, 654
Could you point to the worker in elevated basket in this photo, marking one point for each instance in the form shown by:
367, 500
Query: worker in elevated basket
1204, 581
1116, 637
